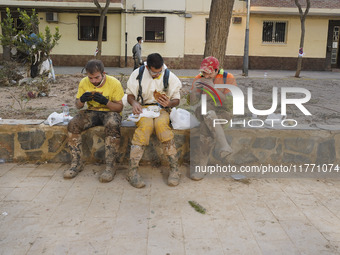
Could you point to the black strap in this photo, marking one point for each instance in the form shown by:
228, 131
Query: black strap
140, 76
225, 74
166, 79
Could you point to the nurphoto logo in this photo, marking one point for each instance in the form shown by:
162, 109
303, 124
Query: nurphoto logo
239, 103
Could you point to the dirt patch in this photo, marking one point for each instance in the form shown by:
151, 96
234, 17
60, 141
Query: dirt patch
324, 104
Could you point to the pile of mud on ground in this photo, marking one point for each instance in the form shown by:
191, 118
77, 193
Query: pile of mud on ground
17, 103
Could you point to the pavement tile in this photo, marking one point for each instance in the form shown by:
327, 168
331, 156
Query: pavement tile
203, 246
236, 236
35, 181
42, 213
199, 227
283, 207
128, 245
332, 204
50, 245
20, 236
14, 176
10, 210
45, 170
4, 192
265, 230
105, 203
23, 194
166, 203
165, 236
282, 247
87, 246
4, 168
132, 216
325, 221
306, 237
256, 210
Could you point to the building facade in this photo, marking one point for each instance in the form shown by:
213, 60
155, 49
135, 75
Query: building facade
177, 30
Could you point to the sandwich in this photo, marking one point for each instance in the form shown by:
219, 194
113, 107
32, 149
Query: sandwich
157, 94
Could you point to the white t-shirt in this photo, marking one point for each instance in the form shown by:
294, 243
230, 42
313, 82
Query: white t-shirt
149, 85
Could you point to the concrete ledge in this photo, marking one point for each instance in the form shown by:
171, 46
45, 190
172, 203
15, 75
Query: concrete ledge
43, 143
39, 142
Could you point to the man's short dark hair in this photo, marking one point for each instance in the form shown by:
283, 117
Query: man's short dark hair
155, 60
94, 65
139, 38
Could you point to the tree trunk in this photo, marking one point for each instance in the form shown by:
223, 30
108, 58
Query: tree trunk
218, 29
102, 13
302, 38
6, 55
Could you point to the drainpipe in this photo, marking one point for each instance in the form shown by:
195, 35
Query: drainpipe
246, 44
126, 34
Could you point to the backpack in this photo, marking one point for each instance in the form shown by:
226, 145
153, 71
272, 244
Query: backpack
140, 77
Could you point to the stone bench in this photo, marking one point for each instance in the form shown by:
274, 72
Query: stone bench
22, 141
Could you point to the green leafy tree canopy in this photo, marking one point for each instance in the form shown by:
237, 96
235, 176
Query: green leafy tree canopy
27, 40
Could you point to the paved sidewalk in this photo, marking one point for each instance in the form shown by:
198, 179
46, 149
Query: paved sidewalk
41, 213
193, 72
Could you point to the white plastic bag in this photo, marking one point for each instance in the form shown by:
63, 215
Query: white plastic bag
152, 111
182, 119
56, 118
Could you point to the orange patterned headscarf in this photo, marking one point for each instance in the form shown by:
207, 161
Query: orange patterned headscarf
209, 64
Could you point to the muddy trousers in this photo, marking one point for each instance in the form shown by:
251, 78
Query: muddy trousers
74, 143
136, 155
141, 138
111, 155
84, 120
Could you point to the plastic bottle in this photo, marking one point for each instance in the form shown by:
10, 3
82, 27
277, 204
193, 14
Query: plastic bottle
66, 113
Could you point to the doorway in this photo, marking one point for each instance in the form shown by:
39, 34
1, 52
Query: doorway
333, 51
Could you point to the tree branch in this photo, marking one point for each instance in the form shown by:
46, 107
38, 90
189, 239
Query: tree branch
106, 6
97, 4
307, 8
299, 7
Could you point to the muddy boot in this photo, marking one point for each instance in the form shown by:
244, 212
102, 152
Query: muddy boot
111, 154
133, 176
169, 149
74, 143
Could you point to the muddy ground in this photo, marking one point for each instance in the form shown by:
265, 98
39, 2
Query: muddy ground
323, 105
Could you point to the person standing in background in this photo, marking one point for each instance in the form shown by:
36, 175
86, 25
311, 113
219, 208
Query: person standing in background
137, 53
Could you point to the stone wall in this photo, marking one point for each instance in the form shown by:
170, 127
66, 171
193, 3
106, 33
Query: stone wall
41, 143
34, 143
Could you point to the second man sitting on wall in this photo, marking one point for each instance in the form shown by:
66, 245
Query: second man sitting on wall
142, 84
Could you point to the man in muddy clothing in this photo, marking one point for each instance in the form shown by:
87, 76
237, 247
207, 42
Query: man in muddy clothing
212, 138
140, 90
103, 95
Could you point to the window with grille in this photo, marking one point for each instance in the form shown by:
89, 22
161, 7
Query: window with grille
17, 22
274, 32
154, 29
88, 28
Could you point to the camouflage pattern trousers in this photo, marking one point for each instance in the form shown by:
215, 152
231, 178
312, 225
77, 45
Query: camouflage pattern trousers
86, 119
